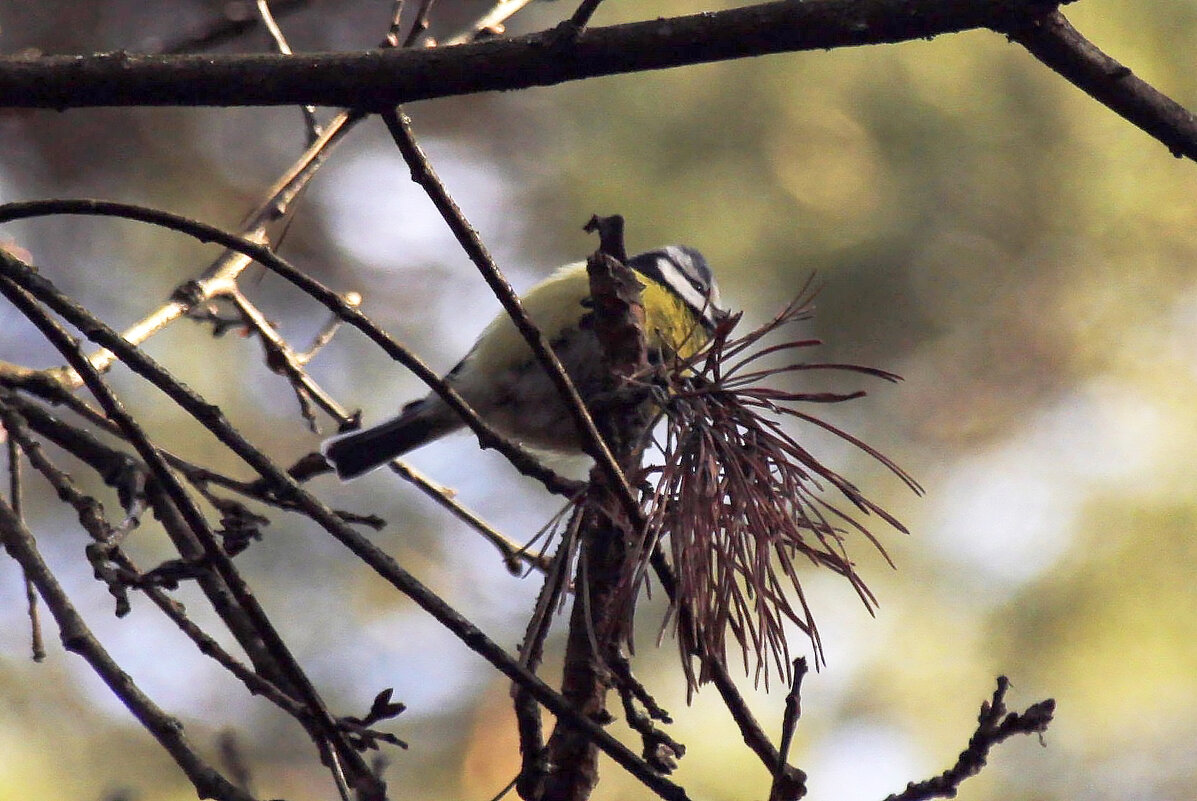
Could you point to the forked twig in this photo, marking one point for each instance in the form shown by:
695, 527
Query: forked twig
77, 637
994, 725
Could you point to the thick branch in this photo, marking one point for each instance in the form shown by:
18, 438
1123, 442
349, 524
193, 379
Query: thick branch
386, 78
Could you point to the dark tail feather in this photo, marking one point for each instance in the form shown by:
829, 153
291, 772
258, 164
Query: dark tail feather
361, 451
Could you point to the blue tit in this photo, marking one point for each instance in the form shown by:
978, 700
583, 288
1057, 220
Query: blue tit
501, 379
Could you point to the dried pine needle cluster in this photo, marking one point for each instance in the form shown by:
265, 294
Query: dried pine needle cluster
738, 501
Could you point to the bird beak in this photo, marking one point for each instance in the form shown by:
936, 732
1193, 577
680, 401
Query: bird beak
715, 316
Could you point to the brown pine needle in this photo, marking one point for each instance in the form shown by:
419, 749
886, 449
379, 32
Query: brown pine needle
738, 501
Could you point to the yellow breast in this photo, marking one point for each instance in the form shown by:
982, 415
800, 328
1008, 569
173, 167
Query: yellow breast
669, 322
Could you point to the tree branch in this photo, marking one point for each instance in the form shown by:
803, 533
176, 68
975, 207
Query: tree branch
382, 563
1052, 40
598, 621
382, 79
424, 175
994, 725
487, 436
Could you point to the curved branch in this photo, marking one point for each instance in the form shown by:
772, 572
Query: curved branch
487, 437
994, 725
380, 79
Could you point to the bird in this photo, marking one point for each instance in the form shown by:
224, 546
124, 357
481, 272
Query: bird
504, 383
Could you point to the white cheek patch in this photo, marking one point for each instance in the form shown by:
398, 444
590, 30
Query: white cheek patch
680, 284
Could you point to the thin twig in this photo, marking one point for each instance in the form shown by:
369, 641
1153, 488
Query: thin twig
337, 771
280, 44
659, 749
507, 789
225, 29
282, 359
15, 498
392, 35
534, 764
592, 442
513, 553
420, 25
751, 731
329, 330
784, 789
488, 23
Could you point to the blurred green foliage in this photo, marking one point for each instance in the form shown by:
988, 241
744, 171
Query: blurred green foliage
1021, 255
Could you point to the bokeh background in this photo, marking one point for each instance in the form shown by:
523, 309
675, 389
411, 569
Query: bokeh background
1022, 256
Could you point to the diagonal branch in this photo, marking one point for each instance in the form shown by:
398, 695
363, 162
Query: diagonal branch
15, 495
1054, 41
488, 23
226, 28
994, 725
592, 441
281, 45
